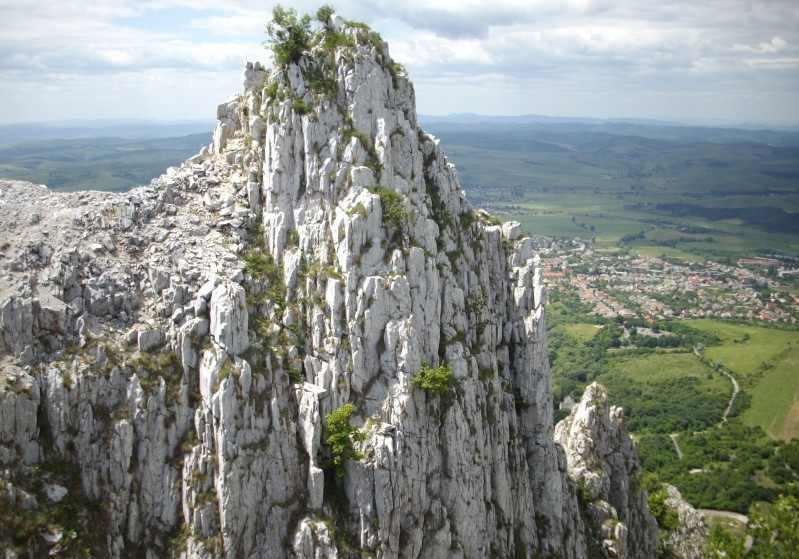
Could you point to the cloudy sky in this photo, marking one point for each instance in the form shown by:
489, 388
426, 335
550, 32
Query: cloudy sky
703, 60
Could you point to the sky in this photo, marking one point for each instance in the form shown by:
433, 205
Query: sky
725, 61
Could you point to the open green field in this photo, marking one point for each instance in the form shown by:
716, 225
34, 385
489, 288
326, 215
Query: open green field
659, 367
666, 392
666, 252
582, 331
609, 218
766, 363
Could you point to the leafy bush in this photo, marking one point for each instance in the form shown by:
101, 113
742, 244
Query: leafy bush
288, 34
365, 35
292, 238
340, 438
394, 212
491, 219
319, 83
395, 70
331, 40
259, 264
436, 380
441, 215
724, 544
467, 220
359, 209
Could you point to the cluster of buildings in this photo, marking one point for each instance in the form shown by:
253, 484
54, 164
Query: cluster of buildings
618, 284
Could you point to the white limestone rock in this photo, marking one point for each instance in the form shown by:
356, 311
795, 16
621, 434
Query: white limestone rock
602, 461
16, 324
229, 318
687, 541
55, 493
313, 540
209, 420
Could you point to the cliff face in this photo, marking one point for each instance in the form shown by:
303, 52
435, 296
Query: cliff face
604, 465
170, 354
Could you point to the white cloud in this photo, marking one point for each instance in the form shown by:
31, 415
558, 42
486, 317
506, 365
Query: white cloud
518, 54
777, 44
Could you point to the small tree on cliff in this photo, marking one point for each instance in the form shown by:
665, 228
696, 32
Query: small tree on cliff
288, 34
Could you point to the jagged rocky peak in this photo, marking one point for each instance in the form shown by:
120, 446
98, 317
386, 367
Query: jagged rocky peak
303, 342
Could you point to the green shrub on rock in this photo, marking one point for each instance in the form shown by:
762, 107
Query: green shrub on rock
394, 212
435, 380
288, 34
340, 438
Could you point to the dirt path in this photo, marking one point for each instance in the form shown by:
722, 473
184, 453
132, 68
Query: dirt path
735, 390
677, 448
729, 515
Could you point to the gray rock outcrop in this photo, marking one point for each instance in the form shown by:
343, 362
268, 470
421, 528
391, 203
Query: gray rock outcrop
687, 540
603, 463
169, 355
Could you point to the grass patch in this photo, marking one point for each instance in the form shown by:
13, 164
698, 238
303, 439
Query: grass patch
372, 160
581, 331
261, 265
394, 212
660, 367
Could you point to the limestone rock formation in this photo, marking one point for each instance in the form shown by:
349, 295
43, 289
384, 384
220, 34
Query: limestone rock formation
603, 463
687, 540
169, 355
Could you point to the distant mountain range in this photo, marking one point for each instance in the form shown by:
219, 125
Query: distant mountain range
11, 134
643, 128
545, 119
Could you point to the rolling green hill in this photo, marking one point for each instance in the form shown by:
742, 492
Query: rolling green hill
686, 199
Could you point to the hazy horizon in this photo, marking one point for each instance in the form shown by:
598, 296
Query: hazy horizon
473, 116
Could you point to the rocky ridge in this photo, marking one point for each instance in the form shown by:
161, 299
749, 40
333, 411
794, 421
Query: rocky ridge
169, 355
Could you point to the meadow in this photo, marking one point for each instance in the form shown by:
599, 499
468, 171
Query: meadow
766, 363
